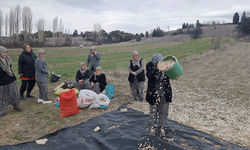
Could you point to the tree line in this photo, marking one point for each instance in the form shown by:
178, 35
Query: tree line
19, 17
23, 17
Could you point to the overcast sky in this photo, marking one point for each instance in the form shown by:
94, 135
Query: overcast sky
134, 16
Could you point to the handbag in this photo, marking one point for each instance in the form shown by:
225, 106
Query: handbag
54, 78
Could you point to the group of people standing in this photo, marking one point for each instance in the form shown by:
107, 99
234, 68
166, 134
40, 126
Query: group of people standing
33, 68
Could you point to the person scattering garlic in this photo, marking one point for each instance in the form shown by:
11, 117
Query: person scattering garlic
159, 94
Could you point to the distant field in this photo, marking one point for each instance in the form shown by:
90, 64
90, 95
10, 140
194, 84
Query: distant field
66, 61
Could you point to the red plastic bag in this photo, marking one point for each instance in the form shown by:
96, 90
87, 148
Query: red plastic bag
68, 103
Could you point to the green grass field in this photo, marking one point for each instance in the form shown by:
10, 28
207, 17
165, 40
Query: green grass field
68, 65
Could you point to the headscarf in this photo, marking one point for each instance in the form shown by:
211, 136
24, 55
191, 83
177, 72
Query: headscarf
92, 48
39, 52
97, 68
82, 70
5, 62
24, 47
156, 58
136, 62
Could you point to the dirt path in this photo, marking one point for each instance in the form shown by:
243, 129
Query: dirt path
212, 95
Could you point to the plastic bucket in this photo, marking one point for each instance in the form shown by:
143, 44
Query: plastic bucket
176, 70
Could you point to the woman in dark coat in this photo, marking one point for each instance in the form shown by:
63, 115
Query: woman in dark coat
82, 77
8, 87
159, 95
98, 80
27, 70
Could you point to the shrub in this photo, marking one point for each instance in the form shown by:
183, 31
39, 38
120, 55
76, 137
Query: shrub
138, 38
196, 33
158, 32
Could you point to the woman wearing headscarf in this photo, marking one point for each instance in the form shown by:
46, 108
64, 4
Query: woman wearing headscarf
8, 87
136, 76
93, 60
98, 80
82, 77
159, 95
27, 70
42, 74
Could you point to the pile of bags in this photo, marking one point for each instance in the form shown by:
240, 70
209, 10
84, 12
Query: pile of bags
88, 98
69, 103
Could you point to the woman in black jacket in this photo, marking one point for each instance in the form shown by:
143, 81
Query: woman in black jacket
82, 77
159, 95
98, 81
8, 86
27, 70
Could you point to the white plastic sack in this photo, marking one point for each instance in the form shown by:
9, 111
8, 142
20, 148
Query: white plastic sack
85, 98
101, 101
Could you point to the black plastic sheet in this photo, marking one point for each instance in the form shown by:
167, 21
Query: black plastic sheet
125, 131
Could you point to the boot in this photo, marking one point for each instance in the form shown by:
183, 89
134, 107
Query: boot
162, 132
22, 97
152, 132
29, 96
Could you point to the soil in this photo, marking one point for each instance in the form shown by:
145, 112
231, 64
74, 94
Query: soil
212, 94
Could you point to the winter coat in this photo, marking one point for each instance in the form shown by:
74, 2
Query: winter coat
101, 79
5, 79
152, 73
83, 77
26, 64
93, 61
140, 77
41, 71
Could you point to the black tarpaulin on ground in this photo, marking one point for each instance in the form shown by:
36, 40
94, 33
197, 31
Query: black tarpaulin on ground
125, 131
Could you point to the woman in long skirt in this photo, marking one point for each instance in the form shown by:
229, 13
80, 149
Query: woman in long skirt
8, 87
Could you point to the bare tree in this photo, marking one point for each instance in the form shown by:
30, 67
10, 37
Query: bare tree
27, 22
60, 32
30, 25
98, 33
216, 35
11, 24
65, 31
6, 24
40, 29
1, 24
17, 24
55, 25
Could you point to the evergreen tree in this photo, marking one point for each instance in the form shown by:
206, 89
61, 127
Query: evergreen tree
244, 24
183, 26
198, 24
138, 38
142, 35
75, 33
147, 34
236, 18
121, 39
243, 17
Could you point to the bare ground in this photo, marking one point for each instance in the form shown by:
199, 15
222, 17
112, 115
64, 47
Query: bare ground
211, 96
